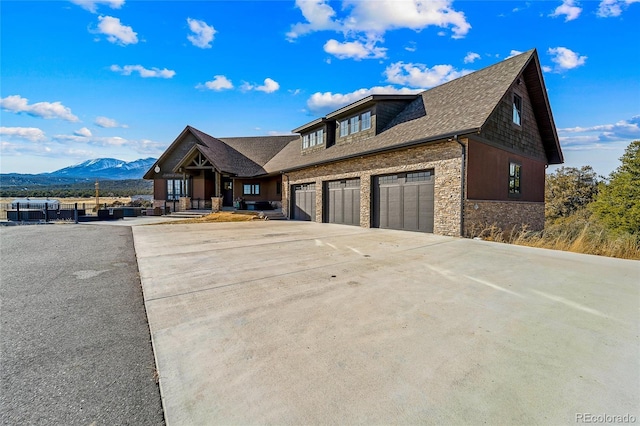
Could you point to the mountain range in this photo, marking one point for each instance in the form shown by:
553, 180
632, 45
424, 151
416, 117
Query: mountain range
99, 168
106, 168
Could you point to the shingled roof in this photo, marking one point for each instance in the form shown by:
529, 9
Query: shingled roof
243, 156
459, 107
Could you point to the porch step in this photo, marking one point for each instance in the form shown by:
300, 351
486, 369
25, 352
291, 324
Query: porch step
273, 215
189, 214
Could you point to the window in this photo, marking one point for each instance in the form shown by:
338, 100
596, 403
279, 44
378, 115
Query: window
305, 141
517, 110
391, 179
176, 188
355, 124
320, 137
344, 128
417, 176
251, 189
515, 171
366, 120
278, 188
312, 139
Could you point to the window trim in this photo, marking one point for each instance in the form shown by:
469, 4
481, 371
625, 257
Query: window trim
254, 189
344, 128
514, 186
179, 189
517, 110
368, 121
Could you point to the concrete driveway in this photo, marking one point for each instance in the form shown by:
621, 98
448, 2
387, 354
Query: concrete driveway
305, 323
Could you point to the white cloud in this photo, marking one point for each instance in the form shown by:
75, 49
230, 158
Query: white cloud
355, 49
622, 130
419, 75
384, 15
84, 132
110, 141
513, 53
565, 59
269, 86
569, 9
327, 101
613, 8
18, 104
369, 20
412, 47
219, 82
32, 134
471, 57
92, 5
202, 33
144, 72
106, 122
319, 16
115, 31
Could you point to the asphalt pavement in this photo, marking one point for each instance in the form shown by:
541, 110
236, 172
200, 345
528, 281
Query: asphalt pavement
74, 340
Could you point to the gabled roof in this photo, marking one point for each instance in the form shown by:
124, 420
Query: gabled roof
459, 107
236, 156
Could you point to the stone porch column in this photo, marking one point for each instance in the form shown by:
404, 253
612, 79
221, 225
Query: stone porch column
185, 203
216, 204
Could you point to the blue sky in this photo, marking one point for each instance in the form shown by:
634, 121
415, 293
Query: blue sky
122, 78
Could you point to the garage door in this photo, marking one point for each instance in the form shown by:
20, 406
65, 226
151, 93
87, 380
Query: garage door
404, 201
304, 202
342, 202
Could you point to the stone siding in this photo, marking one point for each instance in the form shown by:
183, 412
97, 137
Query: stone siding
443, 158
480, 214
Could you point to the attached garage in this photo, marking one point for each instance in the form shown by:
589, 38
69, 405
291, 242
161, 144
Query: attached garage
404, 201
342, 202
303, 205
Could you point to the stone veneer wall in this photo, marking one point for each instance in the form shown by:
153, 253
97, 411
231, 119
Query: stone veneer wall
444, 158
503, 214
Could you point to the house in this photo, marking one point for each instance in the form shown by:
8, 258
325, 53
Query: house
468, 153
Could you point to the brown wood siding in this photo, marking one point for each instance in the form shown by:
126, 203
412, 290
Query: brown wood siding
159, 189
268, 189
488, 174
198, 185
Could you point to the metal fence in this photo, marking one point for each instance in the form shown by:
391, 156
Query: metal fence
44, 211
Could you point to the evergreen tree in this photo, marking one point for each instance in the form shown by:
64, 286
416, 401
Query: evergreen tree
618, 202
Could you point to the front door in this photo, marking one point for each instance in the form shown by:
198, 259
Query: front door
227, 192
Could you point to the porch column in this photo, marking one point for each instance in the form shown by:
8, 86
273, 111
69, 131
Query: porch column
218, 184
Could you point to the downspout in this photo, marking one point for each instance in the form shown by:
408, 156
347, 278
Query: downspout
288, 213
462, 182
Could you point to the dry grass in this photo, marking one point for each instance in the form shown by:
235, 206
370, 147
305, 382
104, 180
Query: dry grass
577, 234
219, 217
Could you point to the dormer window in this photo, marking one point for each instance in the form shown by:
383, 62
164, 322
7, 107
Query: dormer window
366, 120
312, 139
344, 128
517, 110
355, 124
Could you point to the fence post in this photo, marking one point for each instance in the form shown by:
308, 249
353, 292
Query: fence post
75, 212
46, 212
18, 211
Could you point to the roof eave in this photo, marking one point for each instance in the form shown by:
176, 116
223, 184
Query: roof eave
368, 100
408, 144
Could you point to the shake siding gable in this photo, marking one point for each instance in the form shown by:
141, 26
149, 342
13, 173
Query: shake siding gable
500, 128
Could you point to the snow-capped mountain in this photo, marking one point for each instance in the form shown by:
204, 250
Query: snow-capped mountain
107, 168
